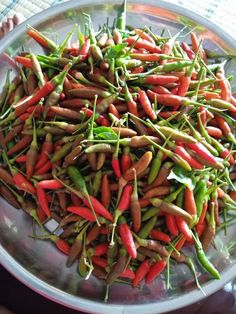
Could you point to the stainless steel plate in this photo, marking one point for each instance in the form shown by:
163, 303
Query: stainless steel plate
37, 263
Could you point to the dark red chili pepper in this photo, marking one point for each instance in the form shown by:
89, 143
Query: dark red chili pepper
20, 145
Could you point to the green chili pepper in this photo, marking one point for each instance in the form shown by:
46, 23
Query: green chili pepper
147, 228
203, 260
97, 183
121, 18
200, 194
155, 167
150, 213
62, 152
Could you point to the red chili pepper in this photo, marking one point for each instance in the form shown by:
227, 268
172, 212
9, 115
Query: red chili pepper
146, 105
155, 270
23, 117
141, 272
23, 184
147, 57
132, 105
225, 128
142, 44
161, 90
127, 237
195, 46
84, 212
157, 79
188, 50
165, 99
225, 87
179, 150
180, 243
171, 224
36, 109
123, 205
143, 202
184, 228
138, 70
41, 214
26, 62
21, 159
127, 273
125, 198
160, 236
98, 207
50, 184
144, 35
200, 228
184, 85
43, 169
41, 39
115, 163
85, 49
126, 161
226, 154
189, 202
63, 246
203, 212
202, 151
101, 249
210, 95
99, 261
46, 150
114, 111
213, 131
42, 199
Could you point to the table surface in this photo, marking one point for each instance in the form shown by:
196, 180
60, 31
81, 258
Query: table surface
26, 301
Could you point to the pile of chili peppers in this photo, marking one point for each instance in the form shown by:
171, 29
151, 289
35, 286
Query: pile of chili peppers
127, 140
